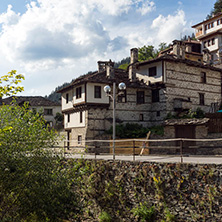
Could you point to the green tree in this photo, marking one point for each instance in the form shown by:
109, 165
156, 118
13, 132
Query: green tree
35, 186
217, 8
146, 53
9, 83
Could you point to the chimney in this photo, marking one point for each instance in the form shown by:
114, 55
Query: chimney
101, 66
206, 57
133, 61
176, 48
110, 70
182, 50
189, 39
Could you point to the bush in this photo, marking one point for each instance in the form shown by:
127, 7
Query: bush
34, 184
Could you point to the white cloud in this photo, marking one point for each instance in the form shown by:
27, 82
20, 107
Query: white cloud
170, 27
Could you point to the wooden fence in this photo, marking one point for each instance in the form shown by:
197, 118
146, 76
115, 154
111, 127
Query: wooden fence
215, 122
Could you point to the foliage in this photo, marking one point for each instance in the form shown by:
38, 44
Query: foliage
59, 117
216, 9
34, 184
134, 130
9, 83
146, 53
199, 113
105, 217
123, 66
143, 213
122, 62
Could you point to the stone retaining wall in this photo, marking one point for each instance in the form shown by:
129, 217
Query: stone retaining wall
175, 192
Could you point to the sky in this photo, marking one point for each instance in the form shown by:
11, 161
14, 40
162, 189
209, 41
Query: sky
52, 42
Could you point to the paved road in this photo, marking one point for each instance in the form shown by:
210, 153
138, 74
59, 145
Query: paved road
150, 158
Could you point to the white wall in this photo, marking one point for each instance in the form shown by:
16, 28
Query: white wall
69, 104
75, 120
79, 100
143, 72
90, 94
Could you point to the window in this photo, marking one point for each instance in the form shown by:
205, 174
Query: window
205, 27
79, 140
218, 22
67, 97
141, 117
203, 77
48, 112
201, 98
212, 25
155, 95
78, 92
68, 118
121, 97
158, 113
208, 26
140, 97
97, 92
152, 71
213, 41
80, 117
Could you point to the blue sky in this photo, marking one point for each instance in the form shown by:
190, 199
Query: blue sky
54, 41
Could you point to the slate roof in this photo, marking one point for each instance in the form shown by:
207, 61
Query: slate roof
174, 58
100, 77
32, 100
173, 122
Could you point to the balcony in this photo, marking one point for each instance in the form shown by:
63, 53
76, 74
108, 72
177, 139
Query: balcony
199, 33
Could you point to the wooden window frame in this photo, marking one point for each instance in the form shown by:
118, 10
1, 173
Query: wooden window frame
121, 98
67, 97
203, 77
80, 117
79, 92
152, 71
201, 99
140, 97
155, 95
97, 92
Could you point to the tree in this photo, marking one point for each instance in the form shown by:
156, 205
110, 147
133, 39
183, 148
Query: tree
34, 184
9, 83
146, 53
217, 8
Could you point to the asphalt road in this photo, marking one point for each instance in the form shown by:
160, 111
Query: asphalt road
150, 158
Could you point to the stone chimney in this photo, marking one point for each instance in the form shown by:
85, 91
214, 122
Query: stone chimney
101, 66
206, 57
110, 69
133, 61
176, 48
182, 50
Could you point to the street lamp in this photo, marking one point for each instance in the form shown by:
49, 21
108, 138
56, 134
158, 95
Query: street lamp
107, 89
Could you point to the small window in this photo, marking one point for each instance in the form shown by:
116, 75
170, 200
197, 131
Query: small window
79, 140
152, 71
213, 41
122, 96
158, 113
155, 95
78, 92
141, 117
201, 99
218, 22
203, 77
67, 97
48, 112
140, 98
68, 118
80, 117
205, 27
97, 92
212, 25
208, 26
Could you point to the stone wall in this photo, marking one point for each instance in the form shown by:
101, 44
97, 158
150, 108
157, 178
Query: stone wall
184, 81
135, 191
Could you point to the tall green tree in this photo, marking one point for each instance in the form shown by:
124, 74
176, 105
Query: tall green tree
146, 53
216, 9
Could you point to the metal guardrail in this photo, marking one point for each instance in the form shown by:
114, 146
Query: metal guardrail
97, 147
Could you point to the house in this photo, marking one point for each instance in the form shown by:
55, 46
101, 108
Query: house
189, 49
37, 103
209, 33
154, 88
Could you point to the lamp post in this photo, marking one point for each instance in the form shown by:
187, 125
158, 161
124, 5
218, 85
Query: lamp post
107, 89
